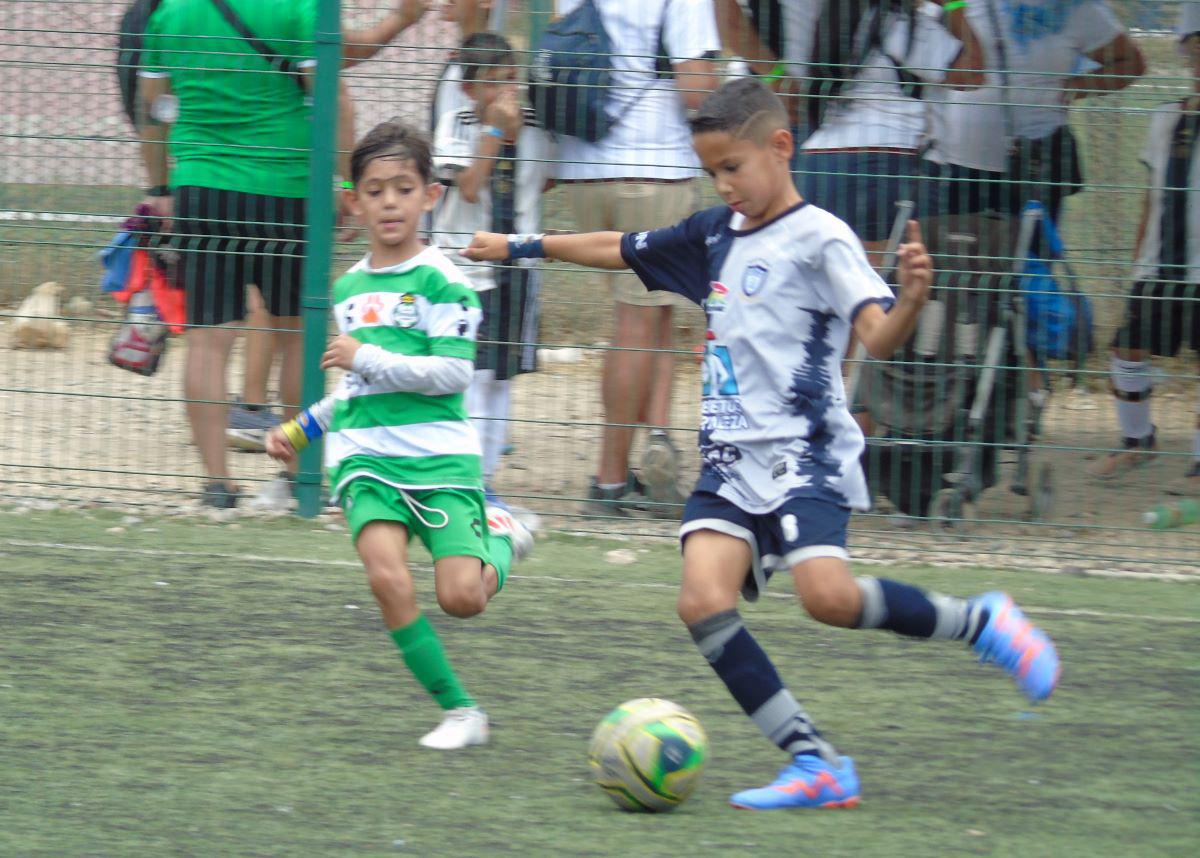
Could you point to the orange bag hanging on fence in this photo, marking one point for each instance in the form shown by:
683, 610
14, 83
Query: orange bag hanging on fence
155, 308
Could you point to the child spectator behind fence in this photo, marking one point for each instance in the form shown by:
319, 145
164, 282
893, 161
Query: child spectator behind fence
496, 163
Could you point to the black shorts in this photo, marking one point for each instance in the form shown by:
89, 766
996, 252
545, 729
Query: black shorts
228, 240
508, 334
1161, 317
799, 529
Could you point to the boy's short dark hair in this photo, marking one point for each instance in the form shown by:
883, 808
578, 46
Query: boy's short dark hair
397, 140
482, 51
743, 108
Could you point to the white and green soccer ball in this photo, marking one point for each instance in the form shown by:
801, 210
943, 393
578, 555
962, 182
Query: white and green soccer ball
647, 754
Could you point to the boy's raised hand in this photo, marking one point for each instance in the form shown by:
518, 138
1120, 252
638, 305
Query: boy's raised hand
506, 114
915, 269
487, 247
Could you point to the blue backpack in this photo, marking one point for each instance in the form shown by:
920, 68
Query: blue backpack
1058, 322
571, 75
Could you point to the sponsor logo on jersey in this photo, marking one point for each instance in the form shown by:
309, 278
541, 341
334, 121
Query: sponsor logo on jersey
371, 309
754, 278
725, 414
639, 241
715, 302
717, 375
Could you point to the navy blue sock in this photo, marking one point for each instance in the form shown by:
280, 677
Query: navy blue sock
754, 683
908, 610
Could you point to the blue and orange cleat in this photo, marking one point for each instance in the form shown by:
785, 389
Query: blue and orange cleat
807, 781
1014, 643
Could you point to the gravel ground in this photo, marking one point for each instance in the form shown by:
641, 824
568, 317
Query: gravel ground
77, 431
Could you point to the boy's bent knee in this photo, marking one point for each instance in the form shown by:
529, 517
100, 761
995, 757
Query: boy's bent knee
833, 605
460, 585
463, 603
696, 602
829, 593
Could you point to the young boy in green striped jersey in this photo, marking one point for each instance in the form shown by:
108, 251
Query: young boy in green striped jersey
403, 459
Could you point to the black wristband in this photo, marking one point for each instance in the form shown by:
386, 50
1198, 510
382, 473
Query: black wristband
159, 191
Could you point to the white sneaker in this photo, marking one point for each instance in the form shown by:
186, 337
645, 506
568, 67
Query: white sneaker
276, 496
460, 728
503, 523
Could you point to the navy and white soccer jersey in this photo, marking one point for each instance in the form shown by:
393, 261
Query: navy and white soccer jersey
780, 301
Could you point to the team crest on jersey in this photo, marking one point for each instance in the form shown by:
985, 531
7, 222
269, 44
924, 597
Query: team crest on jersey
754, 278
404, 314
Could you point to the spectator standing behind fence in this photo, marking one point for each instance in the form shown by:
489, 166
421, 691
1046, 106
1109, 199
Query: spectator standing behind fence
495, 162
250, 417
1003, 144
853, 74
1164, 309
239, 133
869, 64
641, 174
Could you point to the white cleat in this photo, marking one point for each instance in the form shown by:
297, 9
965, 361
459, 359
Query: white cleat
459, 729
501, 522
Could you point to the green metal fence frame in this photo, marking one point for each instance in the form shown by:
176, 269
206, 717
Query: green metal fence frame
315, 300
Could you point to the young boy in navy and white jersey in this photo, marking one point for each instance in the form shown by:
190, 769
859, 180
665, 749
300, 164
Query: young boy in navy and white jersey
495, 163
783, 283
1164, 308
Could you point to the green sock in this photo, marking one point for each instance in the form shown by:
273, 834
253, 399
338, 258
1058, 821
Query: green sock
422, 650
499, 549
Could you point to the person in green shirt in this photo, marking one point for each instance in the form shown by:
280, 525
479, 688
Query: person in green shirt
403, 459
239, 131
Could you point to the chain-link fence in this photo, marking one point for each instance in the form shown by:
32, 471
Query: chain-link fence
1013, 467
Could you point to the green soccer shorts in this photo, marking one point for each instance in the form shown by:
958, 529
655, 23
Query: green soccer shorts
448, 521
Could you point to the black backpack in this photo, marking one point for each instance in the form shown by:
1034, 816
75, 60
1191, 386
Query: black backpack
839, 50
130, 36
571, 74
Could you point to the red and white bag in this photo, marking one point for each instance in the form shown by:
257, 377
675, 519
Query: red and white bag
140, 341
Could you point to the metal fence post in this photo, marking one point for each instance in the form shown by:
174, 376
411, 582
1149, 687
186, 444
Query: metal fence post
315, 301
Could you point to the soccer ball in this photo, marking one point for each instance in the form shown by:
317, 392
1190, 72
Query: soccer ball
647, 754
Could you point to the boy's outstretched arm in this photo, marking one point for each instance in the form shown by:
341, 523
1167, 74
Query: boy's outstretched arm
883, 332
594, 249
287, 439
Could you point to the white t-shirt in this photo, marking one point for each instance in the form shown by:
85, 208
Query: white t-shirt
873, 110
455, 220
780, 301
448, 95
1155, 155
1045, 42
651, 139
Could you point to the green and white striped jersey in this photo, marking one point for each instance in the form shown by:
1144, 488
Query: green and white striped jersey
399, 416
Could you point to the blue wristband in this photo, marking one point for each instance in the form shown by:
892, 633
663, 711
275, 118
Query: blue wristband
526, 246
312, 429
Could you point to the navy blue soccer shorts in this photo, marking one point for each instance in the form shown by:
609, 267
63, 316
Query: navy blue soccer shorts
800, 529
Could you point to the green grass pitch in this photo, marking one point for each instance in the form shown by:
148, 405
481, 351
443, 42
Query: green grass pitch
183, 688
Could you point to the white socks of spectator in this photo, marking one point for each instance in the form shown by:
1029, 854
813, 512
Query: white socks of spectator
1132, 384
487, 406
